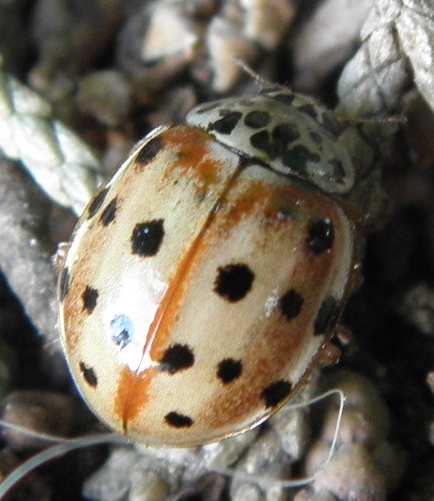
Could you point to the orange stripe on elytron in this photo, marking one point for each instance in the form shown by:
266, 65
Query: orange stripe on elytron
128, 399
190, 143
256, 195
192, 147
133, 389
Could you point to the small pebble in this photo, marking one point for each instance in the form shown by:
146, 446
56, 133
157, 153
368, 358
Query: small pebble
267, 21
365, 465
227, 452
262, 453
356, 426
247, 492
418, 308
352, 475
147, 485
293, 428
152, 56
225, 41
178, 103
322, 44
112, 481
266, 458
70, 35
363, 395
106, 96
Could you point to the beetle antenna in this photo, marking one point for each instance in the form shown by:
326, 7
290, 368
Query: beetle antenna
65, 445
62, 447
262, 82
298, 482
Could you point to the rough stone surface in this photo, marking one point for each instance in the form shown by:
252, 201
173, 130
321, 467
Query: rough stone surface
25, 250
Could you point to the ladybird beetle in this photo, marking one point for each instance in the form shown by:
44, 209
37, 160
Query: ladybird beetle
204, 279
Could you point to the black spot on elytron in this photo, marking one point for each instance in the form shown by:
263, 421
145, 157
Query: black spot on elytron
122, 330
290, 304
228, 370
109, 213
261, 141
89, 375
89, 297
149, 151
97, 202
177, 358
147, 237
283, 135
321, 236
257, 119
226, 124
64, 283
309, 109
297, 158
338, 171
178, 420
233, 281
327, 316
276, 392
284, 98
